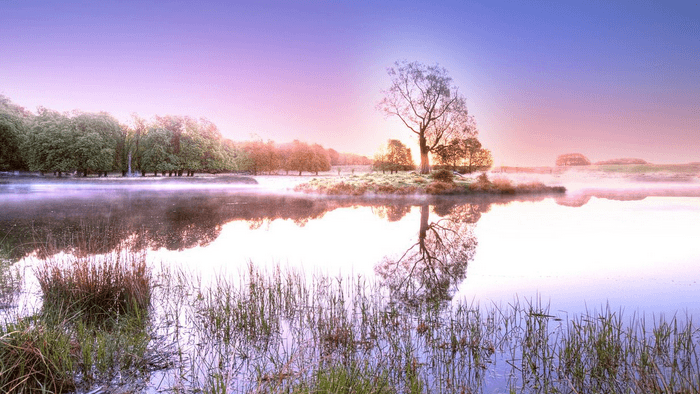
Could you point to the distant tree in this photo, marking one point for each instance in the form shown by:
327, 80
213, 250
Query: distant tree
465, 154
175, 125
334, 157
49, 143
234, 157
133, 138
451, 153
303, 157
353, 159
479, 160
262, 157
572, 159
425, 100
321, 161
395, 156
14, 126
476, 158
300, 157
201, 147
98, 140
158, 155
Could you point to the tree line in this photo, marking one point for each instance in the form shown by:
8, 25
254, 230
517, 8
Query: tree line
422, 97
295, 157
96, 143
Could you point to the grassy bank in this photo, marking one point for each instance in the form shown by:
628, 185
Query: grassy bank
636, 169
411, 183
92, 329
286, 331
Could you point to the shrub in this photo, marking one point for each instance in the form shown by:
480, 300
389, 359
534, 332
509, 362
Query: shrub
440, 187
503, 186
482, 183
387, 189
442, 175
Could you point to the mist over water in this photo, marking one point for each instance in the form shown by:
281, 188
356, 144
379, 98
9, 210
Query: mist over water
631, 245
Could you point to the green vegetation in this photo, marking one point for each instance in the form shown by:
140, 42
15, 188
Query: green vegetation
394, 157
96, 143
440, 182
465, 155
283, 331
96, 288
92, 327
10, 282
683, 169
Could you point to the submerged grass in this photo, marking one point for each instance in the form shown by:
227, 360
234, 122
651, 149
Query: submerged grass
281, 331
10, 282
93, 328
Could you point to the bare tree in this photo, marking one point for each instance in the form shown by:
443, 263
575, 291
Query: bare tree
425, 100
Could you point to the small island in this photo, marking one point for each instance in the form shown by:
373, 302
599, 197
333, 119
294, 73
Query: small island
441, 182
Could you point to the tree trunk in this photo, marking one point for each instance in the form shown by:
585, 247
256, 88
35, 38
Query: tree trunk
424, 160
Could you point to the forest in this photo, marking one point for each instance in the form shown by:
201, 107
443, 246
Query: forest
81, 144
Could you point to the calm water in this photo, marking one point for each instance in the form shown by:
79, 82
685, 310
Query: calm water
634, 250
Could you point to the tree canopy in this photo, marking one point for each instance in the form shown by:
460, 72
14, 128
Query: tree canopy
14, 122
464, 155
572, 159
395, 156
428, 104
96, 143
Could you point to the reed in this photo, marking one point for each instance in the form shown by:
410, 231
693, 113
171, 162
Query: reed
274, 331
95, 287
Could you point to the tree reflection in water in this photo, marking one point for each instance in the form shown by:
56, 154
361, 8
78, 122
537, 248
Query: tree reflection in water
431, 269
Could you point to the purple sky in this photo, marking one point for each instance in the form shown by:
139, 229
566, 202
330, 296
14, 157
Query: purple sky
606, 79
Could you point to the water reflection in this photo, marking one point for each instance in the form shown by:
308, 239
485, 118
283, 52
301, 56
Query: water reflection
431, 268
424, 249
95, 223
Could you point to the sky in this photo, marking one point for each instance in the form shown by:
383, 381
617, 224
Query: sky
542, 78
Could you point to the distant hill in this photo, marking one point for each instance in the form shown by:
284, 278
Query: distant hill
622, 161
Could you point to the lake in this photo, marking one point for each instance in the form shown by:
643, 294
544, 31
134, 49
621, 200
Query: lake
626, 248
635, 249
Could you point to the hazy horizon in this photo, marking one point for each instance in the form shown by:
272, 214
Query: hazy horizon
542, 79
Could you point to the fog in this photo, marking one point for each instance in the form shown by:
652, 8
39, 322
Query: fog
631, 241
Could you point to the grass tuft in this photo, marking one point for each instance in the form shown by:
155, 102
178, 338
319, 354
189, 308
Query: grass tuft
94, 287
34, 359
